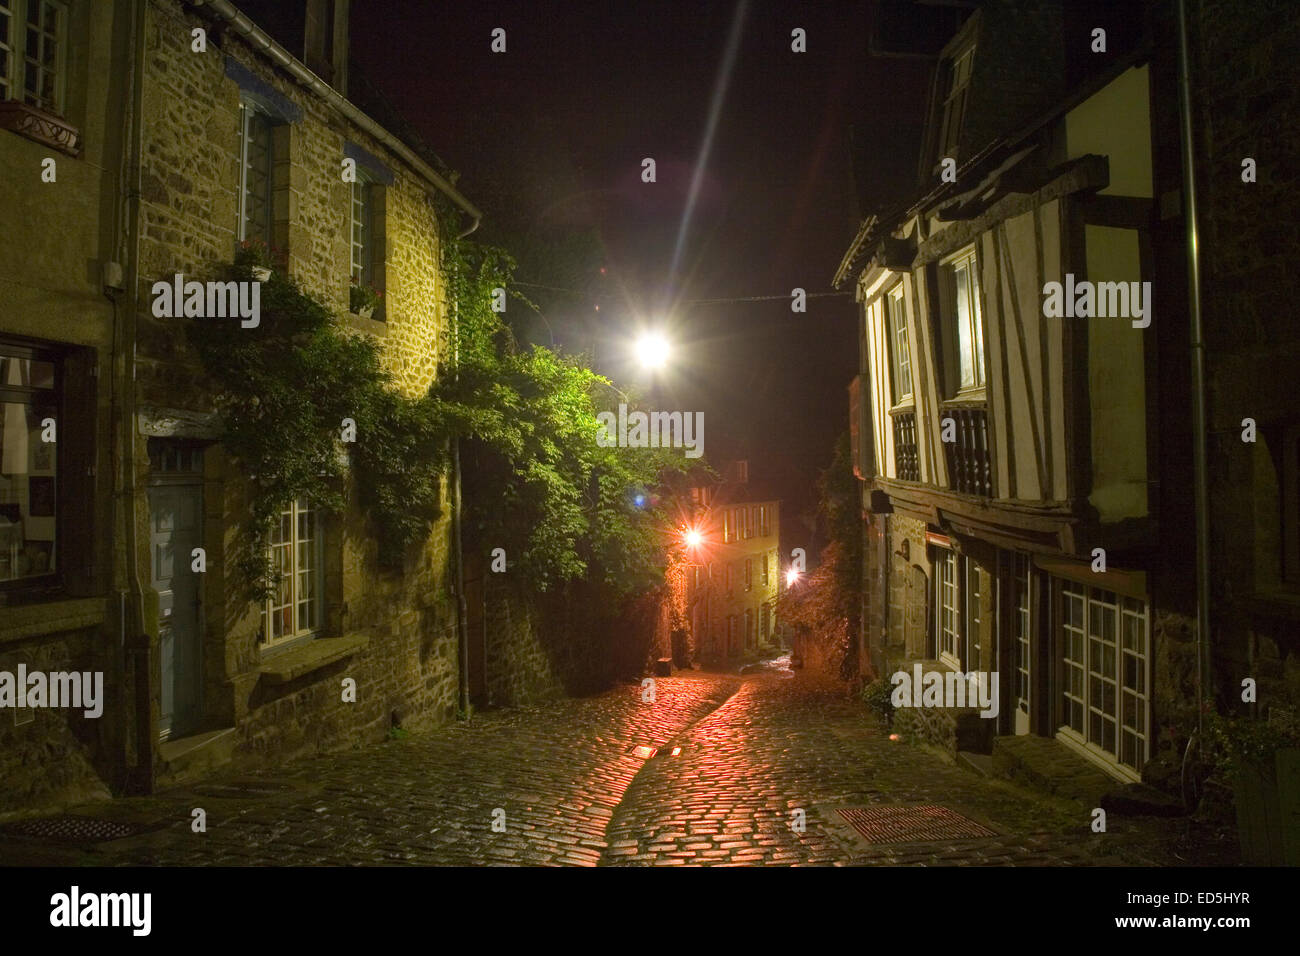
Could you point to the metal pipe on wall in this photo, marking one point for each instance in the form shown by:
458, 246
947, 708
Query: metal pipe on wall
1200, 476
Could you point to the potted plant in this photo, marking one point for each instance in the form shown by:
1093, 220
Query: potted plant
363, 298
1261, 761
257, 257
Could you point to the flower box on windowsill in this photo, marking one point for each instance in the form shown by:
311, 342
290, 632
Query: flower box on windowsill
40, 126
261, 273
365, 311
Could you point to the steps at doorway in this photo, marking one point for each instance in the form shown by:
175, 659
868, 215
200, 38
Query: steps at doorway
186, 759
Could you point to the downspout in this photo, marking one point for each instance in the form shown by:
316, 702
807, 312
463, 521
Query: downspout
1199, 468
137, 644
462, 606
262, 42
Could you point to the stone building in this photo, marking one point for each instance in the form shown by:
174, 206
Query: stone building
734, 572
142, 139
1025, 512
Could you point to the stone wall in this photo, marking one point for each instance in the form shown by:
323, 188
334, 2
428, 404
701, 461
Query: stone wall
55, 236
1243, 58
407, 673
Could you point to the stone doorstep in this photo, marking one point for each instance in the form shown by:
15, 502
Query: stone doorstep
1048, 765
313, 655
188, 758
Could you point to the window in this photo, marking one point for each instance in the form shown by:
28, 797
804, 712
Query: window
33, 36
749, 574
900, 357
1020, 630
728, 525
765, 574
961, 301
363, 231
750, 641
765, 622
731, 578
295, 608
971, 605
948, 608
1103, 647
954, 100
767, 520
733, 641
28, 464
749, 522
256, 159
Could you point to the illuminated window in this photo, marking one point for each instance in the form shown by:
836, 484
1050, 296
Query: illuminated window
29, 401
963, 321
900, 357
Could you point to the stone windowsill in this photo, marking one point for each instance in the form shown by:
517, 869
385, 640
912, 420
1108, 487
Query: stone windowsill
40, 126
50, 617
313, 655
376, 327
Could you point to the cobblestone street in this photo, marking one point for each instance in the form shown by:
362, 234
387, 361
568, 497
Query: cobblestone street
574, 791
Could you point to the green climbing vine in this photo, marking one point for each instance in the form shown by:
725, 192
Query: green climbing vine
537, 483
283, 390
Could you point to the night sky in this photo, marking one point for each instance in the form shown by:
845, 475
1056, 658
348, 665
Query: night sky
555, 129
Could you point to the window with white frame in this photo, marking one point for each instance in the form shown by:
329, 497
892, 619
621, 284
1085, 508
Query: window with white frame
765, 571
1020, 629
749, 574
362, 231
33, 40
900, 357
1104, 654
294, 609
949, 607
960, 298
256, 173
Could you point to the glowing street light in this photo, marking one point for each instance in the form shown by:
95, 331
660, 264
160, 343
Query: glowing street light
652, 349
791, 576
693, 538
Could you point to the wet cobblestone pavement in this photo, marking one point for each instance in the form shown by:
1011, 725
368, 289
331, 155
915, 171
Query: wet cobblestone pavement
573, 791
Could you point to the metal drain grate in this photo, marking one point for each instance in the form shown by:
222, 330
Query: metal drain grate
69, 829
918, 824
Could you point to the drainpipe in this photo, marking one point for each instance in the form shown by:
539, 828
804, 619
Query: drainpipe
136, 643
462, 607
1199, 468
262, 42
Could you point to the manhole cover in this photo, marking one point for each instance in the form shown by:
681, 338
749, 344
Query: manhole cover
922, 824
75, 829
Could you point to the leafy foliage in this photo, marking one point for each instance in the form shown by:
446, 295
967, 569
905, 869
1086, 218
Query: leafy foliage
537, 482
827, 602
1238, 745
284, 389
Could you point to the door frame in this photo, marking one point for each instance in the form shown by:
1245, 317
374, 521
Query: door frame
185, 479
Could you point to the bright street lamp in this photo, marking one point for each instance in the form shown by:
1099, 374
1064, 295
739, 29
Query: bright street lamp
652, 349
